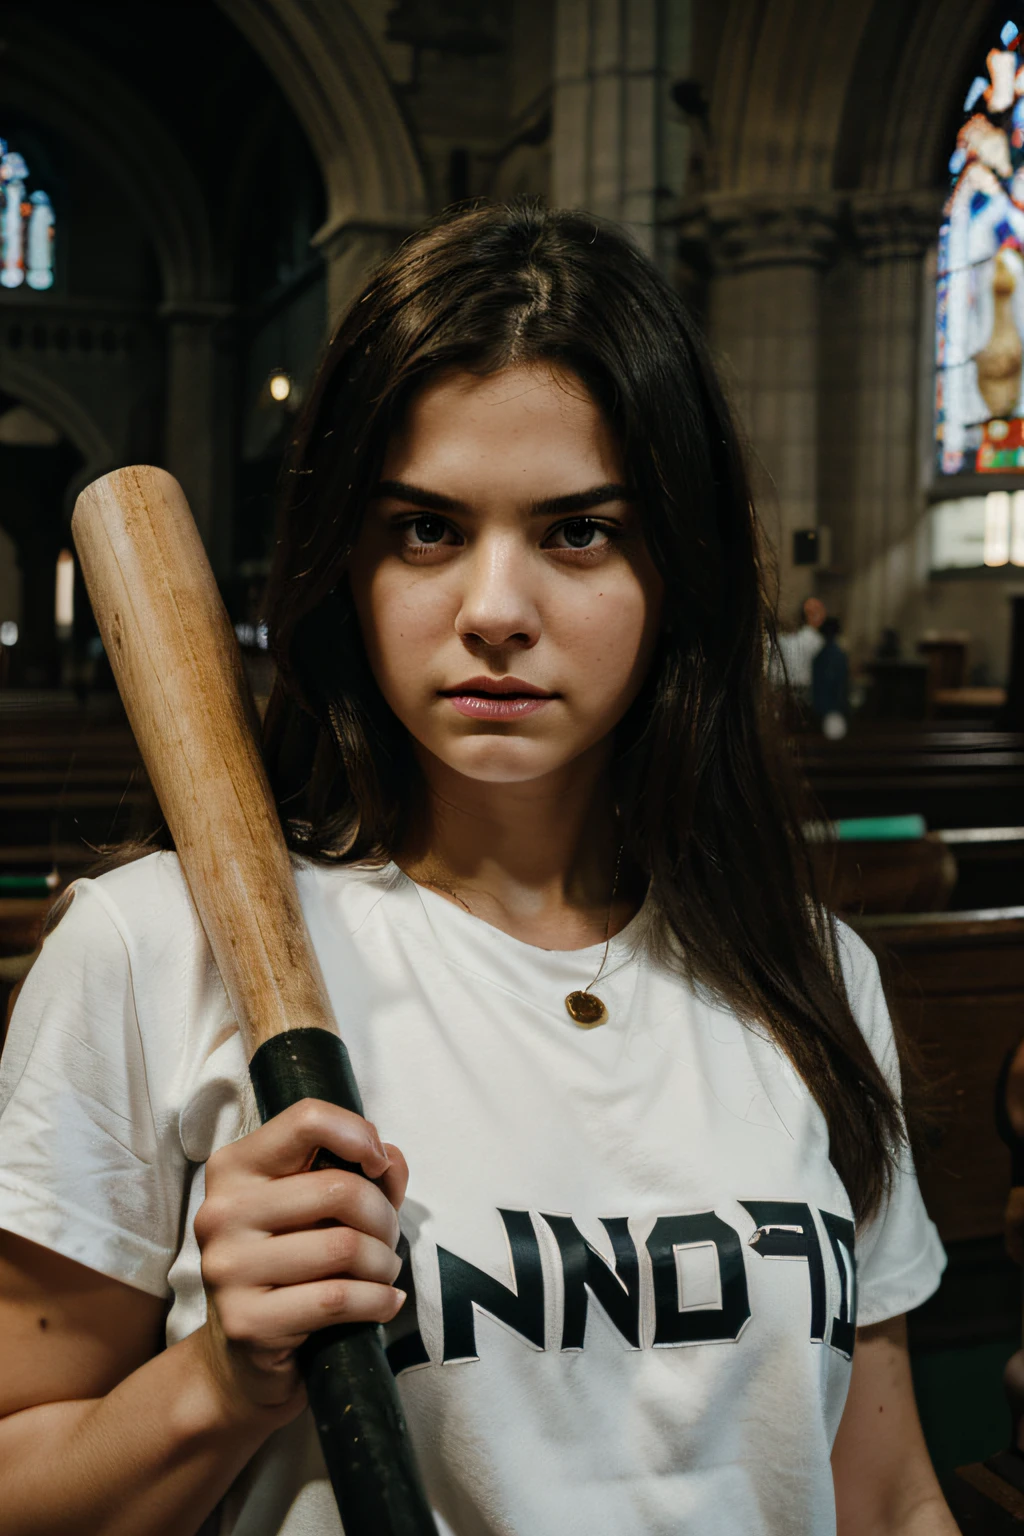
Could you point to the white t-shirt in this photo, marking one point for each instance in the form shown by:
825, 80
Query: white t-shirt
634, 1294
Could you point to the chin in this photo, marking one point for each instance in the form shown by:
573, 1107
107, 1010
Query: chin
499, 759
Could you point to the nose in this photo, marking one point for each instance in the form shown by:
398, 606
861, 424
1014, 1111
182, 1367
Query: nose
498, 606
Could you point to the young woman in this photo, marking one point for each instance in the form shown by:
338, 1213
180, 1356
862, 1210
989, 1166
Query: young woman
653, 1178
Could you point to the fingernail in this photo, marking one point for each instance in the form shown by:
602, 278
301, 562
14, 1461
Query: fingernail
401, 1298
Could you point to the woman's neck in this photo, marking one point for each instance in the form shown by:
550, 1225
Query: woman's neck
536, 859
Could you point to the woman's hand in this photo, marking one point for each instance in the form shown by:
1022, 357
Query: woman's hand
286, 1251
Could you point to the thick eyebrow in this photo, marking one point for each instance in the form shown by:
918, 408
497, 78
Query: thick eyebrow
551, 506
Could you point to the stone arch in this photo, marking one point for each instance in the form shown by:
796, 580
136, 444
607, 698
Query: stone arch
52, 401
781, 84
932, 71
796, 88
332, 74
56, 82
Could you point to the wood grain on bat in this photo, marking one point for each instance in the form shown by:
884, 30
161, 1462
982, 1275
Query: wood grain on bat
177, 664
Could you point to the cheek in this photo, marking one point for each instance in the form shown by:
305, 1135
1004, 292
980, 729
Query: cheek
401, 622
610, 637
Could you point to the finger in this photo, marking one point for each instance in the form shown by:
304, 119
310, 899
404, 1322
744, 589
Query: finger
288, 1142
395, 1179
302, 1200
295, 1258
258, 1319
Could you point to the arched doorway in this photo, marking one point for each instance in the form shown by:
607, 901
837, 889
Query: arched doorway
37, 464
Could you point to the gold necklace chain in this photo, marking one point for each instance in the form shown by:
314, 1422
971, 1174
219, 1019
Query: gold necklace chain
585, 1009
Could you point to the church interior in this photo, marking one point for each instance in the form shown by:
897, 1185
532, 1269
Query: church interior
191, 192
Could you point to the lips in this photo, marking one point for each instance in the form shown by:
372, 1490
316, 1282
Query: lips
496, 698
497, 687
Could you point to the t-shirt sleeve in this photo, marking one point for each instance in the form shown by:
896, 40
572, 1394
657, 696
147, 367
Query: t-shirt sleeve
900, 1258
88, 1166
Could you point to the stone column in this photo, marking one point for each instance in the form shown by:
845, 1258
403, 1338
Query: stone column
883, 533
618, 146
764, 317
350, 250
198, 419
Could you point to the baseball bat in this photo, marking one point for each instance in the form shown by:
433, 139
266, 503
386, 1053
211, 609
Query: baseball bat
177, 664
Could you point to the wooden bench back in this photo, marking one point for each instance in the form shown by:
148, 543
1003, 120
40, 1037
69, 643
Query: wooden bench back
955, 981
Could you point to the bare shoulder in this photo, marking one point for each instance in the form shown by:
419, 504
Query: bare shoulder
67, 1332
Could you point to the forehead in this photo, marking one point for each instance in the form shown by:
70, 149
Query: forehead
523, 426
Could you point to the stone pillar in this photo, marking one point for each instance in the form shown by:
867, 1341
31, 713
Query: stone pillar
10, 580
764, 321
883, 536
618, 148
351, 250
198, 420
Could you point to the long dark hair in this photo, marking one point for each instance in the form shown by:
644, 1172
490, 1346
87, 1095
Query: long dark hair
709, 811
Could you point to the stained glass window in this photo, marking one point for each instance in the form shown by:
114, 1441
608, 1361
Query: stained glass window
26, 226
979, 416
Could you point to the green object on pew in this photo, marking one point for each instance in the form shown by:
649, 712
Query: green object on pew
27, 885
880, 828
874, 829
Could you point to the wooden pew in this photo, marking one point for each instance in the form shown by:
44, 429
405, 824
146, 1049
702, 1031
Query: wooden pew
70, 780
911, 875
990, 866
955, 868
955, 982
953, 778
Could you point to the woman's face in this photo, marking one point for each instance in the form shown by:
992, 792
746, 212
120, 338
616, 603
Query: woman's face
506, 597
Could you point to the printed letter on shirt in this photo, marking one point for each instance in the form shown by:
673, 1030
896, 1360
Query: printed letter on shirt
786, 1230
583, 1268
841, 1236
464, 1287
703, 1325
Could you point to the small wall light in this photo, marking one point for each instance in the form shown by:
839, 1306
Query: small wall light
64, 596
8, 632
280, 386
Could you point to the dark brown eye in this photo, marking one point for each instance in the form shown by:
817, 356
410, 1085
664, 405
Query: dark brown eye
579, 534
428, 529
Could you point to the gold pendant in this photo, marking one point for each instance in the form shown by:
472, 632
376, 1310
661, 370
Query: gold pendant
586, 1010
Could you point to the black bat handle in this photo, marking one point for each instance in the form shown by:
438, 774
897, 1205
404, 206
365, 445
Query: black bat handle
351, 1387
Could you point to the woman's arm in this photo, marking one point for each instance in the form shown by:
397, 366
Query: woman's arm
884, 1481
102, 1432
98, 1431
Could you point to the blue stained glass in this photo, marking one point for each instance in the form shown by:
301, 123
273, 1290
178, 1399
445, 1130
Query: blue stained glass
39, 242
978, 87
26, 226
979, 295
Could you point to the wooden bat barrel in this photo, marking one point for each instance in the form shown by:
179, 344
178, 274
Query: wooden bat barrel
179, 671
